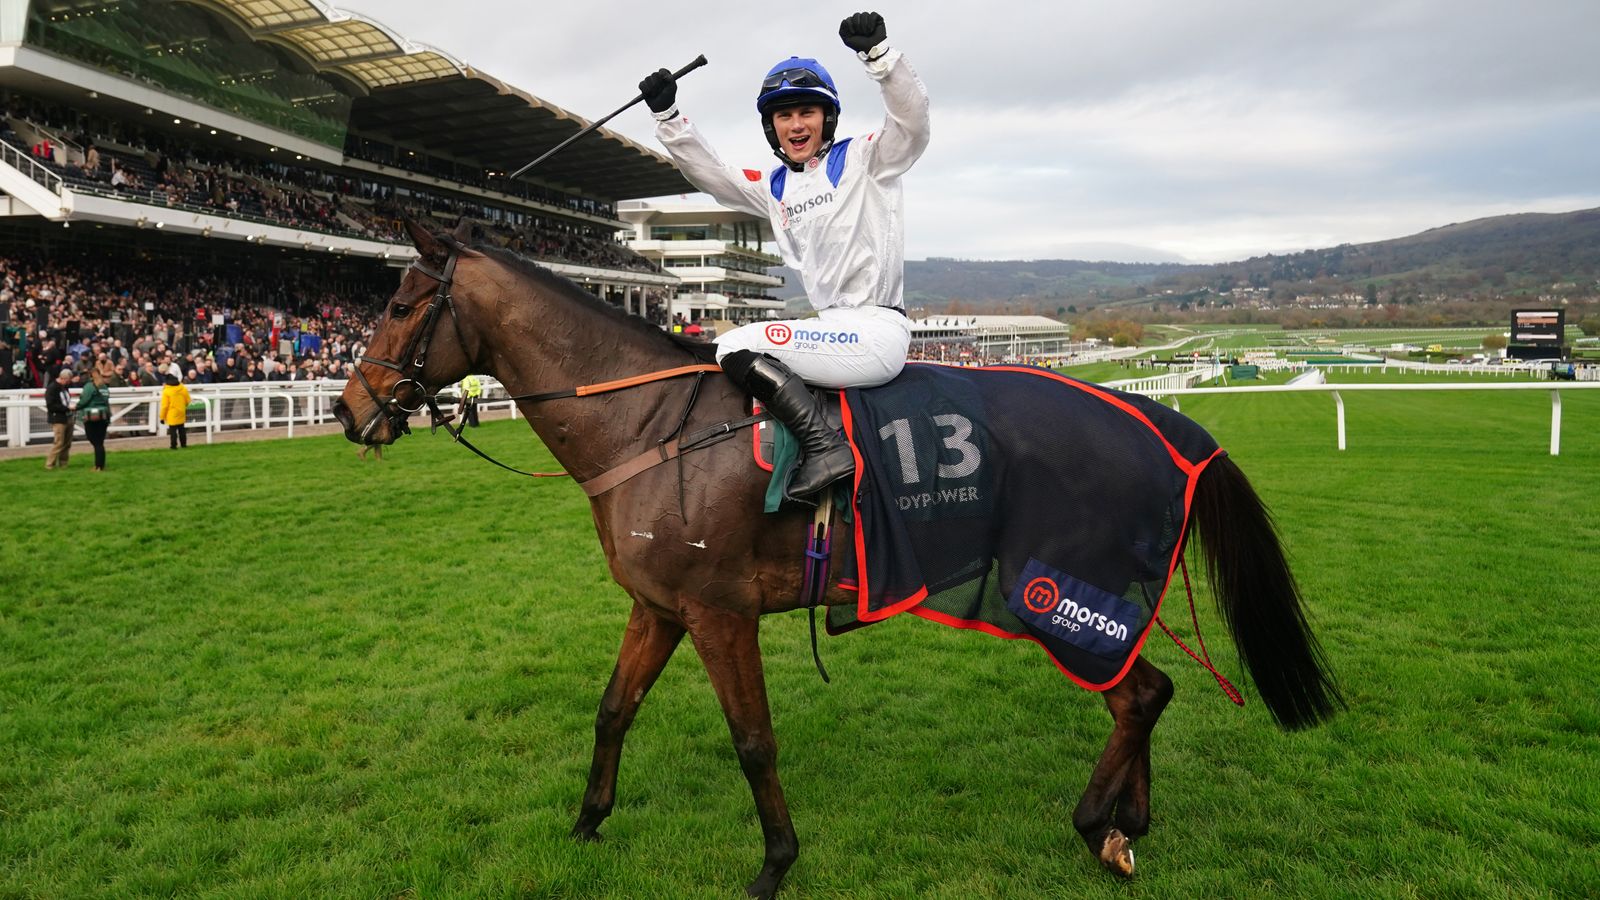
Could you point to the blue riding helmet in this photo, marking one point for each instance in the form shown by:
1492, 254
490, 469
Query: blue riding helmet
790, 83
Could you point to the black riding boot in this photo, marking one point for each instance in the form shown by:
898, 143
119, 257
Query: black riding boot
825, 455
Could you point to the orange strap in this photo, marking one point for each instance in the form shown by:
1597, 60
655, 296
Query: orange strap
585, 390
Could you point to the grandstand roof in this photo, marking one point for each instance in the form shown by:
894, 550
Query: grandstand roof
420, 96
480, 118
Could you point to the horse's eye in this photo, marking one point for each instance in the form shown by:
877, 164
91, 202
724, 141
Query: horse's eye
400, 311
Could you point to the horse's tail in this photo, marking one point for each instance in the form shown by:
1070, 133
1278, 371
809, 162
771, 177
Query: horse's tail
1258, 599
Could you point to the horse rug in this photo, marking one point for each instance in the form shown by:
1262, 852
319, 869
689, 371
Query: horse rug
1021, 503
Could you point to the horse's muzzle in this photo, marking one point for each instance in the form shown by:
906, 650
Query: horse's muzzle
341, 411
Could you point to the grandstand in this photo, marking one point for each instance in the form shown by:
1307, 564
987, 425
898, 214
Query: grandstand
988, 339
719, 255
254, 158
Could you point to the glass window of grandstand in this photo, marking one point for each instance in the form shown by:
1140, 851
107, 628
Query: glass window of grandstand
190, 52
733, 234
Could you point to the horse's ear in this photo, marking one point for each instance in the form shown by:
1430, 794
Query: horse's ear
429, 246
463, 232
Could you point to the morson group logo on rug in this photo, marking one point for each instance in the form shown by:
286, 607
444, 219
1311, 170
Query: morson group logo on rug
1079, 613
779, 333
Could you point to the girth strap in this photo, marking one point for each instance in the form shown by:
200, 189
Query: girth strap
666, 452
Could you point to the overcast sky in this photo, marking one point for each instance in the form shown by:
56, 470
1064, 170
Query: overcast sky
1211, 131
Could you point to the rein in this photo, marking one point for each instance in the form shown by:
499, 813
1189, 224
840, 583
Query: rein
666, 449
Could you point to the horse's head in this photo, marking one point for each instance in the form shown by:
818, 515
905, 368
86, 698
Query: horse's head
416, 345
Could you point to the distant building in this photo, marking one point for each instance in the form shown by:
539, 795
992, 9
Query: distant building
719, 256
954, 338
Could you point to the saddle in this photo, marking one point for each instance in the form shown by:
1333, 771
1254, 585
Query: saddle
775, 448
1018, 502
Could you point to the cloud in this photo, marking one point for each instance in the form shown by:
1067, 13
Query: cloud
1214, 131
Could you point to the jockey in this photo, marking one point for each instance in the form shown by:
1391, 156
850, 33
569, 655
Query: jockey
835, 211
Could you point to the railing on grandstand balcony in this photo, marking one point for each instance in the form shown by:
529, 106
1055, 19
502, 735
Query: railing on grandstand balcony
156, 196
25, 163
214, 409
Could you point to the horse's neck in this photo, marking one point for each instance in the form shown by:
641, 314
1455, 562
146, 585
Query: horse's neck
564, 343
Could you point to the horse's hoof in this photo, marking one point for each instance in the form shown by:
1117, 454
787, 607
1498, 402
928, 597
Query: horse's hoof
1116, 854
766, 884
587, 835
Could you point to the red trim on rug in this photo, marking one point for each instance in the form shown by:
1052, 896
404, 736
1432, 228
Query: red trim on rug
1183, 464
986, 628
1192, 471
847, 419
755, 437
1138, 647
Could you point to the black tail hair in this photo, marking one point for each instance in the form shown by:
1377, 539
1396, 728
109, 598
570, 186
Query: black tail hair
1258, 599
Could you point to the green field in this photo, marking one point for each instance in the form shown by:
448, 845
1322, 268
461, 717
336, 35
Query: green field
1233, 338
1103, 372
270, 670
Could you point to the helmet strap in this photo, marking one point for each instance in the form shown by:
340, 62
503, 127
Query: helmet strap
830, 123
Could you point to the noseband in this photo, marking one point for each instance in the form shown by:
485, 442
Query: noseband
415, 356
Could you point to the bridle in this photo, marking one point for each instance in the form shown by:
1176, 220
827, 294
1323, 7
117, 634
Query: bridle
415, 356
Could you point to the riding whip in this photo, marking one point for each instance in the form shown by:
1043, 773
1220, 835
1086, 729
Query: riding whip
698, 62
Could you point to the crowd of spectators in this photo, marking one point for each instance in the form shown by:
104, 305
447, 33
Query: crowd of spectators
392, 156
61, 315
971, 353
155, 168
959, 352
145, 320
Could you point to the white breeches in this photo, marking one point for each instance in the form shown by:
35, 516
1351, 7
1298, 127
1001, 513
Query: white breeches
857, 347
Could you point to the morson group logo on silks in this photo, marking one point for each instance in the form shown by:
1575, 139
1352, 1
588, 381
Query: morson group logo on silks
780, 334
1079, 613
793, 211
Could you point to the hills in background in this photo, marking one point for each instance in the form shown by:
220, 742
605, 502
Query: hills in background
1525, 255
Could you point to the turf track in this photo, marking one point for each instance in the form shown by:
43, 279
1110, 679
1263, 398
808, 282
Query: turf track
269, 670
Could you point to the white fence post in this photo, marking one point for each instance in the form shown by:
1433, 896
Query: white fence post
17, 426
1555, 423
1338, 404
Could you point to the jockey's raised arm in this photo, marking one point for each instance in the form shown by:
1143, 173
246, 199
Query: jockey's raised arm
835, 206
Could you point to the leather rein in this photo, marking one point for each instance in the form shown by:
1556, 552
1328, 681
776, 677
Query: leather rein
415, 356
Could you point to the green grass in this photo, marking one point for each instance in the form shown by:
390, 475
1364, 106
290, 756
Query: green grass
268, 670
1101, 372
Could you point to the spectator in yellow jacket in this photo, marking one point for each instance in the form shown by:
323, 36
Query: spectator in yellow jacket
175, 411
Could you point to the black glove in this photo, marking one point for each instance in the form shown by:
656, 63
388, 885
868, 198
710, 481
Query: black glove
863, 31
659, 90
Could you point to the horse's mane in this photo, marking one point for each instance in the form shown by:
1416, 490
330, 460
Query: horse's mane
703, 351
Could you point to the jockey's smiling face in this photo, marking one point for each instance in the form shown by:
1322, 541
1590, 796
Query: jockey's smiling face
799, 130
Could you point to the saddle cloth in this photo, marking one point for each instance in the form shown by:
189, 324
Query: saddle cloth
1021, 503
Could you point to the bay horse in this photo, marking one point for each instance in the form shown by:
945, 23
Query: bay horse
689, 542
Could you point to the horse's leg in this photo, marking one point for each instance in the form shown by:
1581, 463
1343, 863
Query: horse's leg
1115, 807
728, 645
646, 646
1133, 804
